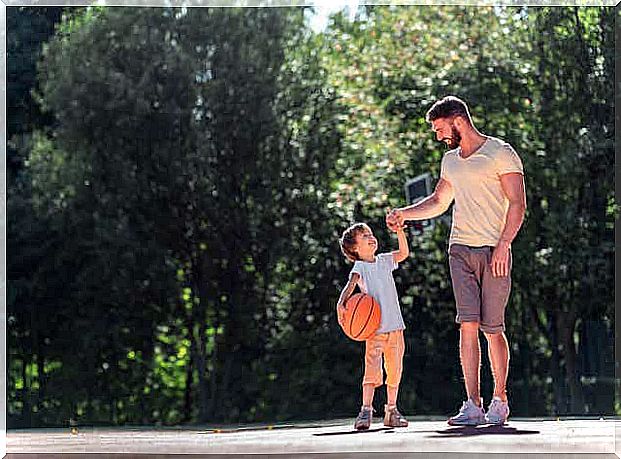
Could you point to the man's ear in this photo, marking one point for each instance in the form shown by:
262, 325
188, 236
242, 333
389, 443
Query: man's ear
459, 122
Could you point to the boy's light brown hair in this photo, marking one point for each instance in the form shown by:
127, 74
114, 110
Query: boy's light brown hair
348, 240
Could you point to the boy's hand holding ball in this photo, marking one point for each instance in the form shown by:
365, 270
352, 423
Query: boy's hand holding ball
340, 314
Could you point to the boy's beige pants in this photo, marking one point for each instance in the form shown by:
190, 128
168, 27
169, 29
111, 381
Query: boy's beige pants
391, 347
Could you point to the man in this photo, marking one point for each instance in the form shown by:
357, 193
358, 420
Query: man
485, 178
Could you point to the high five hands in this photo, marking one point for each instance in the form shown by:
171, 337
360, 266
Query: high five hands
394, 220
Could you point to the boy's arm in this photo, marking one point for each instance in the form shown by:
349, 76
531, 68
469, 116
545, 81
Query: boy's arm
404, 250
345, 294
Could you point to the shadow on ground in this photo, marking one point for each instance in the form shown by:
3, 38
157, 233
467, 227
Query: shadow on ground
350, 432
224, 430
470, 431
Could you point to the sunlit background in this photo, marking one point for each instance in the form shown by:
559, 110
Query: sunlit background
178, 180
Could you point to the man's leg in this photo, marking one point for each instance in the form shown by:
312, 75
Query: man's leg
498, 350
495, 293
465, 276
471, 412
470, 355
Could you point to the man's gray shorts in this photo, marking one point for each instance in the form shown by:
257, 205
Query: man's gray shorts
479, 296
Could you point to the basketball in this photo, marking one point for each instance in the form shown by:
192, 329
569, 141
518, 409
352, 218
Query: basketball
362, 317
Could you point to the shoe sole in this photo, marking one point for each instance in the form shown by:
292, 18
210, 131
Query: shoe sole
465, 423
499, 423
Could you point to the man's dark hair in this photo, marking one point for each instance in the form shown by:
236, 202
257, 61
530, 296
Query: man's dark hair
448, 107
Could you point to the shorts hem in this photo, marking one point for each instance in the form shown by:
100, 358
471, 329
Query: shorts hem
372, 383
492, 330
467, 318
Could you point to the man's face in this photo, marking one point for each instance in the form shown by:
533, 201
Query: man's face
446, 131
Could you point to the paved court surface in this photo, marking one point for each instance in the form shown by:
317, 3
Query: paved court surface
520, 438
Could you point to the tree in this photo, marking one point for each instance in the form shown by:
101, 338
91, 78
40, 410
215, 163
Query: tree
180, 208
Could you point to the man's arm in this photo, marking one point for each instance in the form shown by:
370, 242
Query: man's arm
433, 205
513, 187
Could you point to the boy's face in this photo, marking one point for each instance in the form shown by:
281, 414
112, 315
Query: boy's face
366, 244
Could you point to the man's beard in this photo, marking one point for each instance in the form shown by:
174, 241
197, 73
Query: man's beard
454, 140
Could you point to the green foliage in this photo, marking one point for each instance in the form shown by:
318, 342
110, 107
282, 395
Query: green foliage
27, 30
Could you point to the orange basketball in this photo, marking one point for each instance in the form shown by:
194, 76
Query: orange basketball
362, 317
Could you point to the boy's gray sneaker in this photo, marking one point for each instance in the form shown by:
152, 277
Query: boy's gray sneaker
363, 421
498, 412
469, 415
392, 417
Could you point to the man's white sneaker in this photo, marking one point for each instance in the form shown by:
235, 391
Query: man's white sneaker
498, 412
469, 415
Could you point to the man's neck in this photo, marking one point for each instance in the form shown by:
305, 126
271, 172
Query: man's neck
471, 142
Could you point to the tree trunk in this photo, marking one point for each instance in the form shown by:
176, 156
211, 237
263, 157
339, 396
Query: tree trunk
27, 410
201, 365
558, 383
566, 334
187, 394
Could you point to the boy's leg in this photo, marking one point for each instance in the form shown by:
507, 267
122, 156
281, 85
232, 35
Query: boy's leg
393, 364
373, 364
365, 416
394, 349
391, 395
368, 390
372, 379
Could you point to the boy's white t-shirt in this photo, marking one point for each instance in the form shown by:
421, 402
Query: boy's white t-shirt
376, 280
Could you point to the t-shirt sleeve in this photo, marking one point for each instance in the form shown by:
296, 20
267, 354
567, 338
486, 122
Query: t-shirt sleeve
388, 261
507, 161
356, 269
443, 168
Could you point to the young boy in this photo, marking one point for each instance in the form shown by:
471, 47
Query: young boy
373, 274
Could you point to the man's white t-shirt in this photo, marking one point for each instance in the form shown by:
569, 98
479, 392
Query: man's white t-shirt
376, 280
481, 206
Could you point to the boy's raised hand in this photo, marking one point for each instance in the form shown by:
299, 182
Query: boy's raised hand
393, 222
